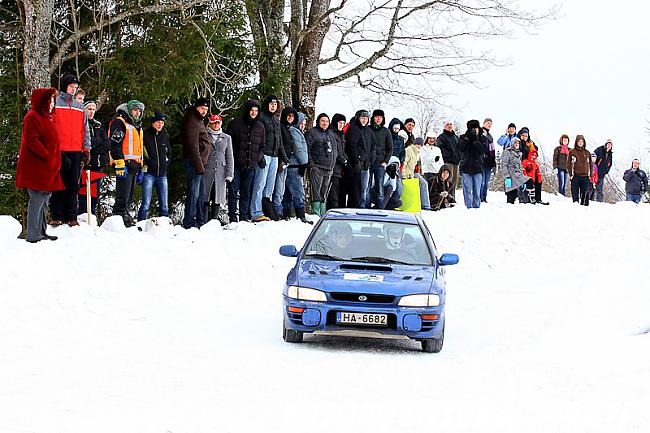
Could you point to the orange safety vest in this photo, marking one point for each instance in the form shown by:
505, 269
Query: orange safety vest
133, 142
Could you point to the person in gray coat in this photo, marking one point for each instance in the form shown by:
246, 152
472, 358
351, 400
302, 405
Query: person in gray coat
219, 169
513, 173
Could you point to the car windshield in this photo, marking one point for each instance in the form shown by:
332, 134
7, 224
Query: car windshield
369, 241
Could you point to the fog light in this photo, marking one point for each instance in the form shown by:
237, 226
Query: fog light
412, 323
311, 317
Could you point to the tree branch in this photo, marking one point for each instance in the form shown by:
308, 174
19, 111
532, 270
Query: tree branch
175, 5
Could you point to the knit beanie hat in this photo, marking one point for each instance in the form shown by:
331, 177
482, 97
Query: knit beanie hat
66, 80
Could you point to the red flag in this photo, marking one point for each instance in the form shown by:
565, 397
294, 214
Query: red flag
94, 177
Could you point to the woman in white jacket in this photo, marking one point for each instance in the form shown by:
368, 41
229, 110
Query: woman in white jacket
430, 158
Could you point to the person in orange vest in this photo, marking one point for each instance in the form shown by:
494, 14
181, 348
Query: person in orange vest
125, 132
71, 125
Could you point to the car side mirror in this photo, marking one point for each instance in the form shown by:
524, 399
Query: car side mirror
448, 259
288, 251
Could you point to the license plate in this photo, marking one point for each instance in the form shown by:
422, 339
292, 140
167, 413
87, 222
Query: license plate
366, 319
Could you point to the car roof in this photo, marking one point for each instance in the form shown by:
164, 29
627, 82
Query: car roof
372, 215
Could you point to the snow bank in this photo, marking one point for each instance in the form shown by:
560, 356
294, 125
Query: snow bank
9, 229
172, 330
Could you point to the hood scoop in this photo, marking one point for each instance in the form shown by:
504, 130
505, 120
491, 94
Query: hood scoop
365, 267
312, 272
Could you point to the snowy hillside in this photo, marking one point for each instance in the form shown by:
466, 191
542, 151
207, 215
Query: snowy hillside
179, 331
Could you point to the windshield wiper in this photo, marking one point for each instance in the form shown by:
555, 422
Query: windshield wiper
324, 257
377, 260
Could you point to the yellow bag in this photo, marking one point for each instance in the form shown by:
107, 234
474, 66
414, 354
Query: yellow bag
411, 196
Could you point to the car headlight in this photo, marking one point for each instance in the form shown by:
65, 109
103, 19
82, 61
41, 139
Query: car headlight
306, 294
419, 301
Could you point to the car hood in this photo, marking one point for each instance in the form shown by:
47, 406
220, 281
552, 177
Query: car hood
355, 277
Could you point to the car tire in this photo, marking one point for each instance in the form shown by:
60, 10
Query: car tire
433, 345
291, 336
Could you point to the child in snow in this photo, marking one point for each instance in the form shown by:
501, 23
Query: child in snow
531, 169
440, 188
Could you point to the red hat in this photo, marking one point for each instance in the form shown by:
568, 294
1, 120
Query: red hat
215, 118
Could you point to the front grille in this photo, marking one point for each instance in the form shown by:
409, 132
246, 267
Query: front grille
354, 297
295, 317
428, 325
391, 321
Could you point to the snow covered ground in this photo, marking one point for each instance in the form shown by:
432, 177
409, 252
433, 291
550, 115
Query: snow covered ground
180, 331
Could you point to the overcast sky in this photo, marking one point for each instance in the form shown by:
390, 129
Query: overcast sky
588, 72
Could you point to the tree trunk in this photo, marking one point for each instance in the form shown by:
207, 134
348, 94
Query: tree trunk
267, 26
305, 80
37, 23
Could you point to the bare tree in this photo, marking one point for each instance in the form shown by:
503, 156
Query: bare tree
40, 61
378, 44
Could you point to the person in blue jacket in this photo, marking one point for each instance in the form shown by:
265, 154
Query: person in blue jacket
506, 139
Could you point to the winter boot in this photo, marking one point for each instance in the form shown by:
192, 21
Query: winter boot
323, 208
214, 212
128, 221
287, 214
206, 207
315, 207
274, 215
261, 218
300, 214
268, 210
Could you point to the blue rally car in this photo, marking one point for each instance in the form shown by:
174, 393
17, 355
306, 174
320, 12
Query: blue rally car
371, 273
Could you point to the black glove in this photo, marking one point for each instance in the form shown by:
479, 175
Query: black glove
301, 170
85, 159
437, 159
391, 171
262, 163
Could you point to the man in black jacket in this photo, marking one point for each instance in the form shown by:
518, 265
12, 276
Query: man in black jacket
604, 163
472, 149
288, 117
448, 144
196, 149
275, 160
100, 145
489, 162
336, 128
157, 155
248, 139
360, 149
383, 152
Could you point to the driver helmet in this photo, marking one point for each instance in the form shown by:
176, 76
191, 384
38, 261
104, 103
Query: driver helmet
393, 235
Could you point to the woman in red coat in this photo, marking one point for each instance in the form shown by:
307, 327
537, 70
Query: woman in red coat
39, 162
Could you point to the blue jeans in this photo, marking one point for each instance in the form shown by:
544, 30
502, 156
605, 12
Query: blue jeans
485, 183
194, 212
424, 192
365, 188
472, 189
263, 184
294, 193
242, 184
562, 181
599, 189
148, 182
636, 198
278, 192
377, 173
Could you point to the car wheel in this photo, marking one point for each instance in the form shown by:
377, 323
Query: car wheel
291, 336
433, 345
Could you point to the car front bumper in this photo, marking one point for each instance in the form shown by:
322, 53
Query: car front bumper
320, 318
